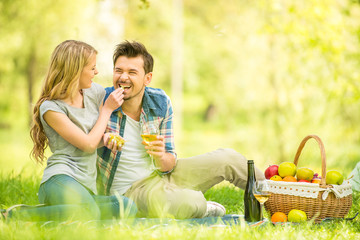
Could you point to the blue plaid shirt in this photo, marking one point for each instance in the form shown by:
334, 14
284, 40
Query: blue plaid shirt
156, 108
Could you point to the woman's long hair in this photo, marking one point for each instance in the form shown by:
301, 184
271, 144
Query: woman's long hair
61, 82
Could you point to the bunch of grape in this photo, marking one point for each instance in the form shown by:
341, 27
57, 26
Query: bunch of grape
116, 139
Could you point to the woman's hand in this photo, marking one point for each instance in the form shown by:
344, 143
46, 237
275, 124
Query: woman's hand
115, 99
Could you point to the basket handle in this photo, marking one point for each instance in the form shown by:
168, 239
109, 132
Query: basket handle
322, 152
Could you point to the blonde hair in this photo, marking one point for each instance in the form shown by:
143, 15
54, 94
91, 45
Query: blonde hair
61, 82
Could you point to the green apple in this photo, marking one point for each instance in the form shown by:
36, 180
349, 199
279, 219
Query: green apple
296, 215
287, 169
304, 174
334, 177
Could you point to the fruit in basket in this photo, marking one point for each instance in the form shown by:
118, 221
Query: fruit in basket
303, 180
271, 171
289, 179
304, 173
316, 180
276, 178
287, 169
296, 215
334, 177
279, 217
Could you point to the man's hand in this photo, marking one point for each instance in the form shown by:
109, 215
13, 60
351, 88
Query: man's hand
113, 142
165, 161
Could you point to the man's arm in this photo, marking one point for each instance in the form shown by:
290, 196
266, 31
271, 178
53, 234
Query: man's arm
166, 159
167, 163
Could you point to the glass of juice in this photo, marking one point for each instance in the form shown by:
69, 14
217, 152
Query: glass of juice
149, 135
261, 193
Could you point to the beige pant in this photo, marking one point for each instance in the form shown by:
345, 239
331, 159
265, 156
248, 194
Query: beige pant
180, 194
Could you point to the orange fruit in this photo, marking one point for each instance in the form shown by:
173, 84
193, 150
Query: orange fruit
279, 217
276, 178
316, 180
289, 179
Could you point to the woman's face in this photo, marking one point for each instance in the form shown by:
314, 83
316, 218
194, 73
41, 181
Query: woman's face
88, 73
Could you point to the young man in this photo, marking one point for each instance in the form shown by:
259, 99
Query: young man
176, 187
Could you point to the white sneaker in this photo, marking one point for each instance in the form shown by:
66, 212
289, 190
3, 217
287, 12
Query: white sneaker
214, 209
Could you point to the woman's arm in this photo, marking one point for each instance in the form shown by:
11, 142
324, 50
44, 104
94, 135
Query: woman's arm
74, 135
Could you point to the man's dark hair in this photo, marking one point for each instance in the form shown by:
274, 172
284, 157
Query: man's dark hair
134, 49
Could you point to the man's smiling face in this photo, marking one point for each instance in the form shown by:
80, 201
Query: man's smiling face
129, 74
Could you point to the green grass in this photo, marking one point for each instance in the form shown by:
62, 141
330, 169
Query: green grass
15, 188
20, 178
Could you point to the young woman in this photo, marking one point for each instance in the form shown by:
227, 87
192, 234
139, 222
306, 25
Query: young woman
70, 118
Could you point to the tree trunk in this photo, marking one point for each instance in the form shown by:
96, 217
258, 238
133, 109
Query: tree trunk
30, 77
177, 64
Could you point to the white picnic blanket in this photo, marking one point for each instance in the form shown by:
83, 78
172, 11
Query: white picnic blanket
355, 178
309, 190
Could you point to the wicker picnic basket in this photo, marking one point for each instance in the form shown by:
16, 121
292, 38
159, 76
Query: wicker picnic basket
318, 201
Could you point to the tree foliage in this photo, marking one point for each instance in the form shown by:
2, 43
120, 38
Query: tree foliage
272, 71
30, 31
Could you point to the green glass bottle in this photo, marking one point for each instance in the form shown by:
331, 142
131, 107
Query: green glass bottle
252, 206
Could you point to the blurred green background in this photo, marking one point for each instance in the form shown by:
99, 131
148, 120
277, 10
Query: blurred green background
256, 76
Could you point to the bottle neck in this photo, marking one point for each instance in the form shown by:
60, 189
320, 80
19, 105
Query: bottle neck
251, 171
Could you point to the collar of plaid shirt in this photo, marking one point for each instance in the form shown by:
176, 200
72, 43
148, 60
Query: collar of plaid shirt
156, 107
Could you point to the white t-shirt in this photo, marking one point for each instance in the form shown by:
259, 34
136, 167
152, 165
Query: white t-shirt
134, 163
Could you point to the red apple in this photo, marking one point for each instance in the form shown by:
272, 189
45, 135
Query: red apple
303, 180
271, 171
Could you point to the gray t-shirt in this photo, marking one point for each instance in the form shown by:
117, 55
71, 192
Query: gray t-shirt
66, 158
